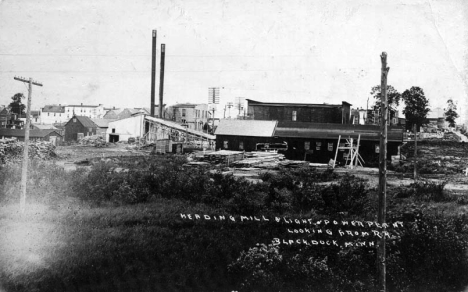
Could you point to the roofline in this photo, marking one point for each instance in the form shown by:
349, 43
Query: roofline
297, 104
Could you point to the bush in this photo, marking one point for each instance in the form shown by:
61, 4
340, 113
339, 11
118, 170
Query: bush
47, 183
430, 255
425, 190
351, 196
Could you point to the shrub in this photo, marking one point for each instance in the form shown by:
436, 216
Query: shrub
351, 195
259, 268
425, 190
430, 255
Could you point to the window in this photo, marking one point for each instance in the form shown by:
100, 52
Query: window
113, 130
48, 114
241, 145
330, 146
184, 112
307, 145
318, 145
74, 120
377, 148
225, 144
294, 115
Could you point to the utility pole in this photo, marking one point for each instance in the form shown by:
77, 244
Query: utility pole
24, 170
161, 80
153, 73
415, 153
383, 172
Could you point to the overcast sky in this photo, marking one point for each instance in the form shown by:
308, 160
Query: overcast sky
307, 51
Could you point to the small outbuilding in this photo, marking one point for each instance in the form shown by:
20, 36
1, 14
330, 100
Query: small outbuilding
79, 126
49, 135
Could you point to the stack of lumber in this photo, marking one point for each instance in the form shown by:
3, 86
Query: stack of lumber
260, 159
12, 149
223, 156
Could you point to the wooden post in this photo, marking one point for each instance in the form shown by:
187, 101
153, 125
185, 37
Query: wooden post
383, 172
415, 152
24, 170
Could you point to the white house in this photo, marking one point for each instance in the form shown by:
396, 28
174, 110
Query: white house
51, 114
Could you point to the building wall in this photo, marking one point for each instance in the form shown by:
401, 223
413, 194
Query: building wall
4, 117
302, 114
126, 128
51, 118
73, 127
310, 149
195, 117
91, 111
234, 142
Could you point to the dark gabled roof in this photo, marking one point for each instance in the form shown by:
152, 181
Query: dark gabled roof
85, 121
53, 109
332, 131
21, 132
254, 102
252, 128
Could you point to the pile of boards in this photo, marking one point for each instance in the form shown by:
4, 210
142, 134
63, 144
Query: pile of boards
12, 149
95, 140
266, 160
240, 159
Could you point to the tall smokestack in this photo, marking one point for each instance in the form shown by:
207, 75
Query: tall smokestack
153, 73
161, 80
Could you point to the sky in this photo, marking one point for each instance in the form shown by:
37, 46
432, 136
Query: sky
311, 51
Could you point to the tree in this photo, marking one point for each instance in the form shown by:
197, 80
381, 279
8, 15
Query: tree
416, 107
451, 113
393, 96
16, 106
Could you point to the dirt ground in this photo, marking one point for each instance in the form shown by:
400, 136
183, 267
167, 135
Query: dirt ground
71, 156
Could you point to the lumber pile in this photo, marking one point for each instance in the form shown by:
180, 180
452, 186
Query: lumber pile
12, 150
95, 140
267, 160
222, 156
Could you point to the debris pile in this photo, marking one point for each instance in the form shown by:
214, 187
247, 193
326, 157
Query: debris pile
95, 140
12, 149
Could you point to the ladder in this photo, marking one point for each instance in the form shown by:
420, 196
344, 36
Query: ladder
353, 158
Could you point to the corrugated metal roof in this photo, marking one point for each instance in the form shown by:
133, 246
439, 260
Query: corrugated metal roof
252, 128
21, 132
103, 123
332, 131
180, 128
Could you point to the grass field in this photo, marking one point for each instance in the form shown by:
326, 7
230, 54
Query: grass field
81, 233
